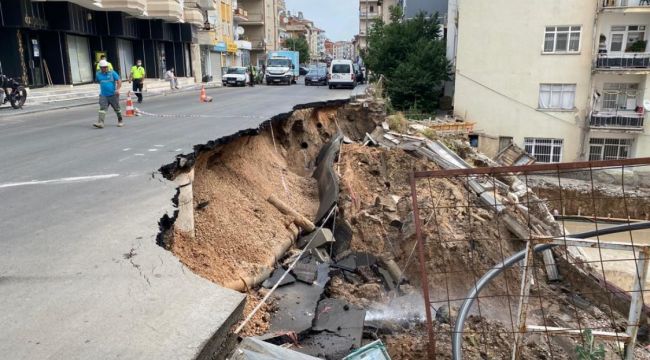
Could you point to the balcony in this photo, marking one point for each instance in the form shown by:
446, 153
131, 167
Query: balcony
132, 7
368, 15
626, 6
623, 61
169, 10
617, 120
253, 19
257, 44
240, 14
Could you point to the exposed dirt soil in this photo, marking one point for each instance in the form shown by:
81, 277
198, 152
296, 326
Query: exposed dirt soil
238, 233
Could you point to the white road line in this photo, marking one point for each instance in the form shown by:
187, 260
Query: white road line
59, 181
126, 149
138, 154
152, 150
179, 149
159, 145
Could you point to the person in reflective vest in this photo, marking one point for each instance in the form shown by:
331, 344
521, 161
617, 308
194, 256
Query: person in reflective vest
137, 75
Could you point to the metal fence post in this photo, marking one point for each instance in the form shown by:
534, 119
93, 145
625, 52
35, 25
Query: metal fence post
637, 302
423, 270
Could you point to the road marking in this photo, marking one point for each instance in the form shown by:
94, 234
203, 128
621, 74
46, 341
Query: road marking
126, 149
60, 181
179, 149
138, 154
152, 150
159, 145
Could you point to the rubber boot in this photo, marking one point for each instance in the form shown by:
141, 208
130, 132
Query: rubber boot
100, 121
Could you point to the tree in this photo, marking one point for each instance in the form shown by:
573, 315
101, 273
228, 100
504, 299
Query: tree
411, 56
300, 45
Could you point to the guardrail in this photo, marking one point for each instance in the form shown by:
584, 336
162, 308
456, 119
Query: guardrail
623, 61
625, 3
617, 120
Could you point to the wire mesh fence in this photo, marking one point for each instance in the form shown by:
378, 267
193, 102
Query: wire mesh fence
537, 261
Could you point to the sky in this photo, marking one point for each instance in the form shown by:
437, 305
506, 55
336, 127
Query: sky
339, 18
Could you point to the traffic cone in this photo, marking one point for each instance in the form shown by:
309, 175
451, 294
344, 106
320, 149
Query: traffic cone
130, 110
204, 96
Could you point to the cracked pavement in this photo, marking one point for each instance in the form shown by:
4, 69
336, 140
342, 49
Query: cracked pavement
80, 273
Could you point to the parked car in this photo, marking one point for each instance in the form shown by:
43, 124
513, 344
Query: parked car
303, 70
358, 72
341, 74
234, 76
316, 76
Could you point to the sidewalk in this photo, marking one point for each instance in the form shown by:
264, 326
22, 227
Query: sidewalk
65, 96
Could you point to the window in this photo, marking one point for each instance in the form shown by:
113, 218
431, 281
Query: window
341, 69
544, 150
562, 39
609, 149
372, 9
619, 96
504, 142
557, 96
624, 36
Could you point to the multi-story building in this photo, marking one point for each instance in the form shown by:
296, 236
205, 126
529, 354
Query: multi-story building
369, 12
329, 48
343, 50
60, 42
260, 27
320, 48
570, 83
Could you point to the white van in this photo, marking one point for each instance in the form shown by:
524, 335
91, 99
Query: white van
341, 73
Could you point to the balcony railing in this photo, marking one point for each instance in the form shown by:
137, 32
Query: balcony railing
240, 14
628, 120
612, 4
623, 61
368, 15
254, 18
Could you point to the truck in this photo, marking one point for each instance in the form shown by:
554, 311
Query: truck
282, 67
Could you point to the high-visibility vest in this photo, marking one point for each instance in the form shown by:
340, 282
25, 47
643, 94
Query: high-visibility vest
137, 72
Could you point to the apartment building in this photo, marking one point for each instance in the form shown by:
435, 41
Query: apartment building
369, 12
261, 27
343, 50
60, 42
565, 80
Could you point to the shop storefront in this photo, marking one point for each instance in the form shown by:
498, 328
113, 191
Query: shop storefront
59, 43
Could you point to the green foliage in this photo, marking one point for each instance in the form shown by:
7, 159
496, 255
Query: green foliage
588, 350
411, 55
300, 45
637, 46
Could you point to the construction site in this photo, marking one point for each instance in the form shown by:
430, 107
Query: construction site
359, 234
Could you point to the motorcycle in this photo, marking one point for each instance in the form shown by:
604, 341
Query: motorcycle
12, 92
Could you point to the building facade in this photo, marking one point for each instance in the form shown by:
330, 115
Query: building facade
60, 42
260, 27
369, 12
343, 50
570, 84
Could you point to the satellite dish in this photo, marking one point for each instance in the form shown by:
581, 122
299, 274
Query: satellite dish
240, 30
646, 104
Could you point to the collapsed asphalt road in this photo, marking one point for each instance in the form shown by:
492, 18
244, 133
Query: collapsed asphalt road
80, 273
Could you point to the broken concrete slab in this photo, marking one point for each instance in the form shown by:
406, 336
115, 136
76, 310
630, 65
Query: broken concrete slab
320, 237
491, 202
305, 270
256, 349
275, 277
296, 307
340, 330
